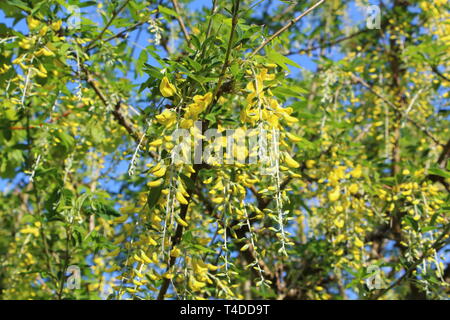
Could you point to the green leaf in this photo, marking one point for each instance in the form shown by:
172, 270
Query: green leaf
167, 11
292, 92
202, 248
7, 133
19, 4
412, 223
102, 210
153, 196
439, 172
281, 60
194, 64
152, 71
211, 117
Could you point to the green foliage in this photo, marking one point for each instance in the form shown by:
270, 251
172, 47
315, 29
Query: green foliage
359, 177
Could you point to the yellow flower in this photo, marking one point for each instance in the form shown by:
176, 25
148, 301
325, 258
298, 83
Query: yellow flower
353, 188
290, 162
195, 285
217, 200
193, 110
265, 76
44, 51
359, 243
256, 87
151, 241
200, 268
137, 258
213, 268
43, 31
32, 23
289, 119
186, 123
222, 100
200, 104
167, 118
26, 43
249, 114
334, 194
207, 181
340, 238
293, 137
168, 275
205, 99
175, 252
181, 198
30, 230
167, 89
145, 258
181, 221
56, 25
156, 183
339, 223
4, 68
137, 283
155, 168
183, 189
160, 172
42, 72
310, 164
156, 143
357, 172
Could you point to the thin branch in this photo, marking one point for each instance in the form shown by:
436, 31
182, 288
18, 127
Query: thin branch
286, 27
119, 116
234, 23
394, 108
285, 11
440, 74
329, 43
445, 155
213, 12
180, 21
97, 90
442, 163
118, 35
115, 14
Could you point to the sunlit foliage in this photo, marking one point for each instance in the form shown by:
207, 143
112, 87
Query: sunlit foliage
351, 200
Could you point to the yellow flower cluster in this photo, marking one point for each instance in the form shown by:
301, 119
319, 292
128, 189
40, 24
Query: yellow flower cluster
198, 279
167, 118
166, 88
193, 110
261, 107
